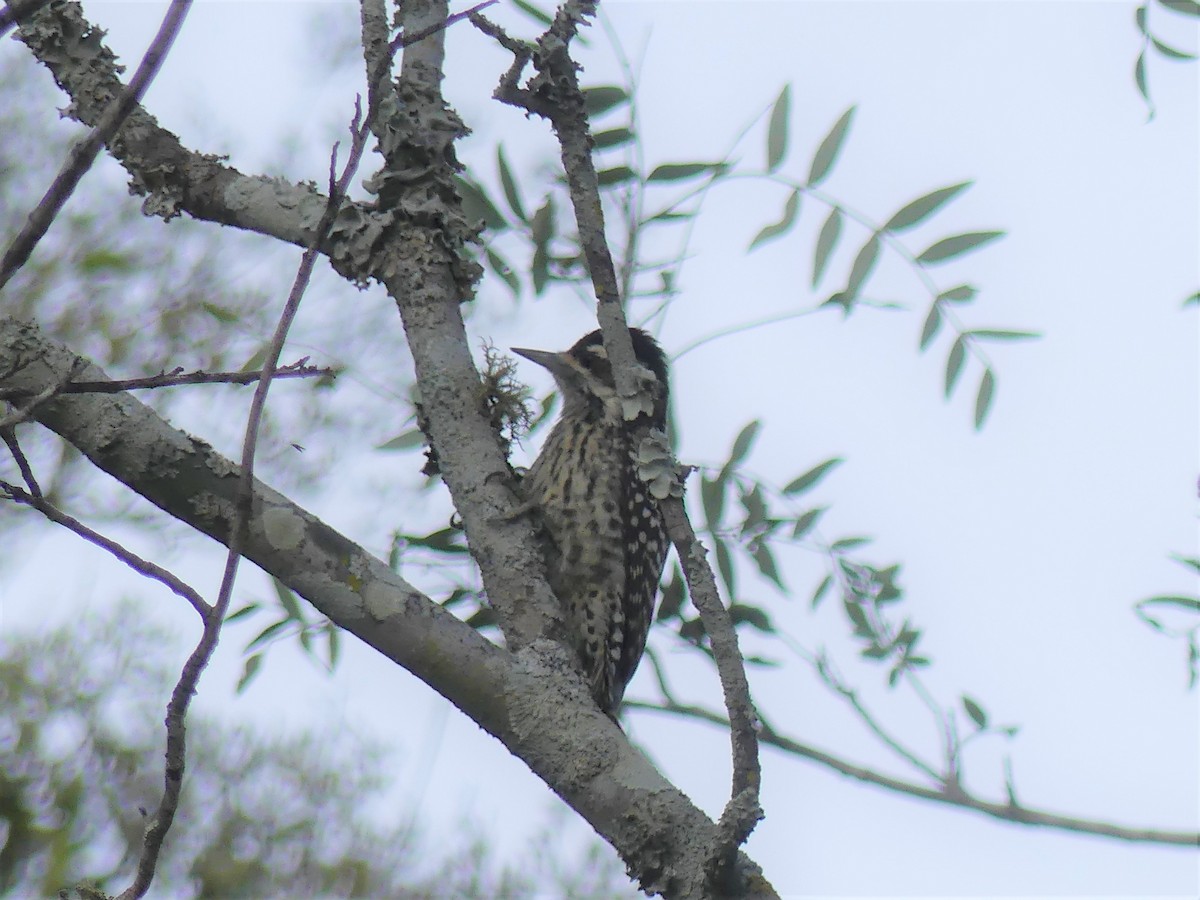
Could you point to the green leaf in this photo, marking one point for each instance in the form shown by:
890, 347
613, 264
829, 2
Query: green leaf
98, 261
267, 633
483, 617
228, 316
248, 609
805, 522
614, 137
864, 262
598, 100
975, 711
809, 479
408, 440
766, 564
983, 400
1190, 561
499, 265
923, 207
445, 540
477, 205
752, 615
960, 294
1171, 52
933, 322
756, 509
288, 600
542, 229
1139, 78
334, 642
777, 129
509, 184
742, 444
1187, 7
680, 171
950, 247
858, 618
1191, 604
782, 226
828, 152
826, 241
1139, 18
533, 12
256, 360
849, 543
712, 498
1193, 300
672, 597
249, 669
954, 363
615, 175
822, 590
725, 565
999, 335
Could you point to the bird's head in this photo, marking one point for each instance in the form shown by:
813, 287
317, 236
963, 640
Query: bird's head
585, 378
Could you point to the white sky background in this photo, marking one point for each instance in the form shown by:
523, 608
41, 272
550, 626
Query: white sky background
1024, 547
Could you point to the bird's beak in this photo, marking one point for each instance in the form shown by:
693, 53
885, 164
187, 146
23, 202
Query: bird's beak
544, 358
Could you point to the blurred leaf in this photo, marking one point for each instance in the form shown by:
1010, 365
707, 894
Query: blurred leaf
933, 322
864, 262
615, 175
477, 205
805, 523
774, 230
983, 400
1139, 78
828, 152
1193, 300
960, 294
1171, 52
1190, 561
248, 609
826, 241
802, 483
777, 129
680, 171
1139, 17
712, 498
100, 260
752, 615
858, 618
228, 316
250, 668
1191, 604
500, 266
725, 565
998, 335
614, 137
672, 597
975, 711
822, 590
542, 228
509, 184
766, 565
445, 540
756, 508
762, 661
334, 644
255, 362
948, 248
741, 446
1187, 7
533, 12
849, 543
408, 440
288, 600
954, 363
923, 207
267, 633
483, 617
598, 100
692, 630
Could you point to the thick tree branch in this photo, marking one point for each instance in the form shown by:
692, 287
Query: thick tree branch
554, 92
553, 725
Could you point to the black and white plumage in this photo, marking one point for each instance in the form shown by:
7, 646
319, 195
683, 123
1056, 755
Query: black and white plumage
606, 543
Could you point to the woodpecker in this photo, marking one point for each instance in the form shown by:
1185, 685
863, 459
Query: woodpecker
606, 542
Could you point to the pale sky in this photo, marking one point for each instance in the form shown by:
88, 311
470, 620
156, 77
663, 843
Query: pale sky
1024, 546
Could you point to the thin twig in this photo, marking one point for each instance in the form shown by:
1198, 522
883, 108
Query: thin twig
1008, 812
131, 559
84, 153
10, 439
175, 377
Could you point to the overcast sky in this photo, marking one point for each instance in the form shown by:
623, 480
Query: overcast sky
1024, 546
